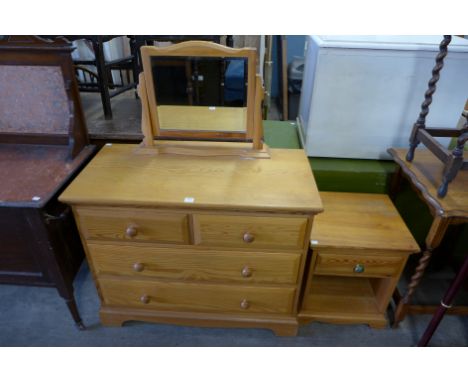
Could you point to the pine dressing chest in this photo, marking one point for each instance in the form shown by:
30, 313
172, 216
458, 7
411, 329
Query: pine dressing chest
197, 232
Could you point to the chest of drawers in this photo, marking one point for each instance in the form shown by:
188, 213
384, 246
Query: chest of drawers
206, 241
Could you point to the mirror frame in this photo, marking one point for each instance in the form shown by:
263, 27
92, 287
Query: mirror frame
199, 49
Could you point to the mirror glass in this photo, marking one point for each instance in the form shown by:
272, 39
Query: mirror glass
200, 93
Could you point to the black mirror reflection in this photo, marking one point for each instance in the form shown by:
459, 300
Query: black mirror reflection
200, 81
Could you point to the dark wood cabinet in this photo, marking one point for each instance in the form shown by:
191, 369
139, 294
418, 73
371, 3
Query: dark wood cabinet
43, 145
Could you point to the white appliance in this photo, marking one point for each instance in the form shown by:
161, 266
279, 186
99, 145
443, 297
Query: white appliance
362, 94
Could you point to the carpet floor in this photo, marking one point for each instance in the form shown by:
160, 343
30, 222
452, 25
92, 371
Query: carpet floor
32, 316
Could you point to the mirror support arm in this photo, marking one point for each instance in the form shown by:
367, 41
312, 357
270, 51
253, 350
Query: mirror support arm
258, 130
146, 126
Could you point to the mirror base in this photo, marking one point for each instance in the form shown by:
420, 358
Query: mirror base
204, 149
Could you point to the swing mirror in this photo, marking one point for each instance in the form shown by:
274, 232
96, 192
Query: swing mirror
200, 90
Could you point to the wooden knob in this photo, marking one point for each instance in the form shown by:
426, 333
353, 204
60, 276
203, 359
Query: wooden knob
145, 299
248, 237
138, 267
131, 230
244, 304
246, 272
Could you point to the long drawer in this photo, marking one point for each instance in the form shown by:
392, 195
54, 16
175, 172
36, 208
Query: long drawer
356, 265
131, 224
245, 231
195, 297
195, 264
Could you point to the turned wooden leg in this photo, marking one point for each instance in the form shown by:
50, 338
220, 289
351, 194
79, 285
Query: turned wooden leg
421, 121
71, 303
402, 307
412, 149
66, 292
454, 163
433, 239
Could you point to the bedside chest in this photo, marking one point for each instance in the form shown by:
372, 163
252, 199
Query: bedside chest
359, 247
206, 241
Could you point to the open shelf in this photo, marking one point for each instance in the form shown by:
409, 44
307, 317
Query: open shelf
343, 300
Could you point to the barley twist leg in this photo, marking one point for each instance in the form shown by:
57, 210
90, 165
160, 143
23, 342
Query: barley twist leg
433, 240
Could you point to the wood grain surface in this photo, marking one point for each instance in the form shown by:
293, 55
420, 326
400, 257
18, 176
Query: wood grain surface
149, 225
196, 296
345, 264
343, 300
119, 176
266, 232
194, 264
361, 221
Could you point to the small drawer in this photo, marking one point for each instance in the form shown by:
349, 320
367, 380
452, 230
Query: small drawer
130, 224
176, 296
354, 265
195, 265
243, 231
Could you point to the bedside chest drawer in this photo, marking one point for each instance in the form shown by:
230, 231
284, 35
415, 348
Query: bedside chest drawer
196, 297
196, 265
245, 231
133, 225
355, 265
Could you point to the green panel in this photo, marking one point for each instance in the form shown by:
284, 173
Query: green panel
331, 174
352, 175
281, 135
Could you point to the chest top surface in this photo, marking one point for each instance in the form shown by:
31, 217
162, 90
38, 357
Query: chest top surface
361, 221
122, 175
425, 172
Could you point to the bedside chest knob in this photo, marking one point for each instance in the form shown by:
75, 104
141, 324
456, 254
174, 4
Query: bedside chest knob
145, 299
359, 268
248, 237
131, 230
244, 304
138, 267
246, 272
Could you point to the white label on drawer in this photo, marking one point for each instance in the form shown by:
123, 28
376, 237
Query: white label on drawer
212, 108
314, 242
36, 198
189, 199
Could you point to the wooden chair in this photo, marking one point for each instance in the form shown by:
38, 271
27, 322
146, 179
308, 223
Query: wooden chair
101, 81
453, 160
